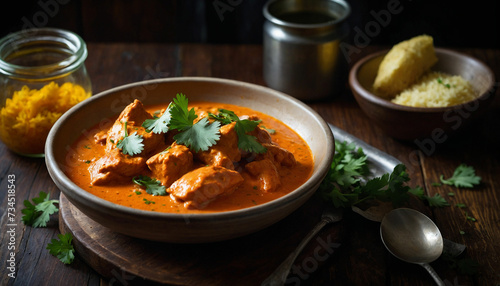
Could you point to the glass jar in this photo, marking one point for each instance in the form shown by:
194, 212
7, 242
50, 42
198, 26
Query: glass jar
42, 75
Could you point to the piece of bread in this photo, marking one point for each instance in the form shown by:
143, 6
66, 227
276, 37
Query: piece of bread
403, 65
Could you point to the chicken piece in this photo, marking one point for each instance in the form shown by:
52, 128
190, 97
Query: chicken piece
115, 167
262, 135
100, 137
266, 167
199, 187
225, 152
169, 165
278, 155
134, 114
267, 174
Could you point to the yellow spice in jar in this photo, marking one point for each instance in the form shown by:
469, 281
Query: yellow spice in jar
27, 117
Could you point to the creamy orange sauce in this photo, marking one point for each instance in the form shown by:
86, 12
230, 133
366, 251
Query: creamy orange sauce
85, 151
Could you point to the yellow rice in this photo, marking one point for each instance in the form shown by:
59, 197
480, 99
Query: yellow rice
27, 117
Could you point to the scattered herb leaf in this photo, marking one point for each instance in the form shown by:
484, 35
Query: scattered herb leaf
447, 85
270, 131
197, 136
246, 142
166, 150
343, 186
130, 144
62, 248
158, 125
468, 217
463, 176
152, 186
437, 201
38, 214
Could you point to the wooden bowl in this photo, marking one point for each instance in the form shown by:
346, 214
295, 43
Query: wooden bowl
409, 123
188, 228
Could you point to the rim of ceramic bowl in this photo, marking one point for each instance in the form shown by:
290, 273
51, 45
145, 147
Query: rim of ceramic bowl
317, 176
368, 95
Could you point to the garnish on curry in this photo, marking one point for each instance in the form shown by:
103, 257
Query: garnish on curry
201, 157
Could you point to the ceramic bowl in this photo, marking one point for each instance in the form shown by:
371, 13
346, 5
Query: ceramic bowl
188, 228
409, 123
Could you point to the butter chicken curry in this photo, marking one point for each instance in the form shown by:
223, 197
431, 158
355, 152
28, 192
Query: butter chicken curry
210, 157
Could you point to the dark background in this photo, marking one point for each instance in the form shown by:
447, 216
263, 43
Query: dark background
451, 23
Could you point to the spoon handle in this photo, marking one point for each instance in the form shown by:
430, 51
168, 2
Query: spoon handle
278, 277
433, 274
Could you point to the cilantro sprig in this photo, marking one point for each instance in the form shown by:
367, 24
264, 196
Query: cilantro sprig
435, 201
38, 214
197, 136
344, 187
130, 144
463, 176
62, 248
158, 125
246, 142
152, 186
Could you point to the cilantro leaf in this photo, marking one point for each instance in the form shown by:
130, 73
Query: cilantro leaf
348, 170
62, 248
182, 117
158, 125
130, 144
388, 187
463, 176
199, 136
436, 201
152, 186
344, 187
246, 141
38, 214
338, 198
225, 116
347, 165
418, 192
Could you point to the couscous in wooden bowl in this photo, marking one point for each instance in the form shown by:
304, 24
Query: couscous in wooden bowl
434, 123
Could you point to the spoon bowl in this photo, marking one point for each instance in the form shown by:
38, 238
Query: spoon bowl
412, 237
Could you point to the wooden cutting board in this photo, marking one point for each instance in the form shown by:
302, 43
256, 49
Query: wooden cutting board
246, 261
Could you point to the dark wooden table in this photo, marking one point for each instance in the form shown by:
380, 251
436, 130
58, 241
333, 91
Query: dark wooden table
361, 258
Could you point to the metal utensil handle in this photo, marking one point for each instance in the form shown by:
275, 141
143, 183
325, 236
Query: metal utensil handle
278, 277
433, 274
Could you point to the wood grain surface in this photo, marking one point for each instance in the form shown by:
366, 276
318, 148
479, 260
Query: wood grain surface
360, 260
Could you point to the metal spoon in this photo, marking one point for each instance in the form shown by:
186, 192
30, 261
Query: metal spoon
412, 237
278, 277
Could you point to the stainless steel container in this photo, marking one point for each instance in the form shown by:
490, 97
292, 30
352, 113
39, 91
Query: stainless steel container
301, 47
